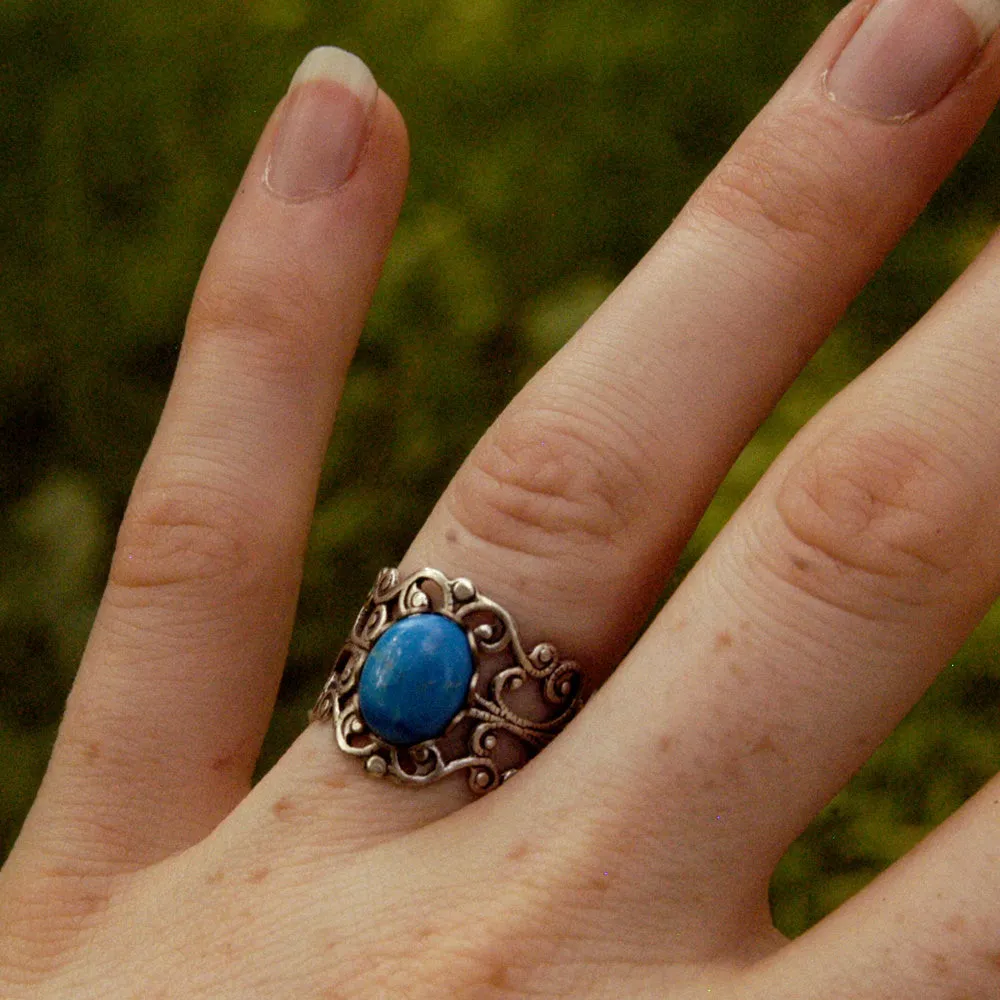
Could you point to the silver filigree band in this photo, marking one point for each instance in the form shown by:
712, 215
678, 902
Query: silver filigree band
516, 703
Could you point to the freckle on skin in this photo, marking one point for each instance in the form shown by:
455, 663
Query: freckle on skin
283, 807
93, 751
955, 923
766, 745
335, 783
518, 853
498, 977
216, 877
802, 565
258, 875
666, 743
451, 535
85, 905
223, 763
723, 640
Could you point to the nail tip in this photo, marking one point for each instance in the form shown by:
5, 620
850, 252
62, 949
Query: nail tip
327, 62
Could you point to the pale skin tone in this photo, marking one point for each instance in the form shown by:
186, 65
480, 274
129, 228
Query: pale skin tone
632, 858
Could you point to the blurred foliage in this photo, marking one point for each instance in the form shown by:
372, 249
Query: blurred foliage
552, 143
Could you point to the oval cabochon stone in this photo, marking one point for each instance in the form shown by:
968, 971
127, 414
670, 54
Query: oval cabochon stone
415, 679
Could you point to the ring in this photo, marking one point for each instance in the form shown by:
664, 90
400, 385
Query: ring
433, 679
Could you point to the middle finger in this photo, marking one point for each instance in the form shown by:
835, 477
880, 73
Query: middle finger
575, 505
573, 508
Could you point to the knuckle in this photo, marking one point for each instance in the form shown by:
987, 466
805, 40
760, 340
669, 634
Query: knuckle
182, 537
266, 306
784, 184
540, 484
874, 522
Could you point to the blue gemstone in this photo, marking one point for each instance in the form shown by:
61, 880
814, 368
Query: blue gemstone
415, 679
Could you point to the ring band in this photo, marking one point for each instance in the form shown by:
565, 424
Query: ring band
433, 679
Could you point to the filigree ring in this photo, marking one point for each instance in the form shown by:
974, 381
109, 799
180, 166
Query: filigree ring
433, 680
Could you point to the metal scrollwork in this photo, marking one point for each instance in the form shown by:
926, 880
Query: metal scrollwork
517, 701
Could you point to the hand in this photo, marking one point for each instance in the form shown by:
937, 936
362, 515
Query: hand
632, 858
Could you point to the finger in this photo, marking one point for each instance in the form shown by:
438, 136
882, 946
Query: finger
928, 927
167, 715
816, 619
573, 508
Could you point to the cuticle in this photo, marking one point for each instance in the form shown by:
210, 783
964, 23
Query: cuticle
866, 9
902, 119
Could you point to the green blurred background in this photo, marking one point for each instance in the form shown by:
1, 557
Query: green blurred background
553, 140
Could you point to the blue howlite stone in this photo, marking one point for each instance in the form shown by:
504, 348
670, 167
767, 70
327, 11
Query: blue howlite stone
415, 679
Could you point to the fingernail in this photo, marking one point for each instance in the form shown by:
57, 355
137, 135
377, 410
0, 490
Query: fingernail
323, 126
908, 54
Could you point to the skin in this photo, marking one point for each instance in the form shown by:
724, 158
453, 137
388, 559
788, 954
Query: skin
632, 858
